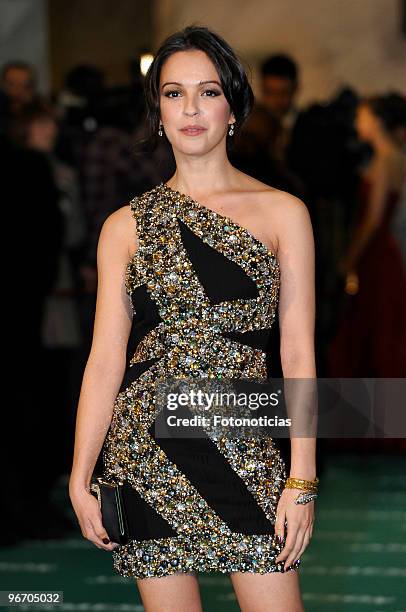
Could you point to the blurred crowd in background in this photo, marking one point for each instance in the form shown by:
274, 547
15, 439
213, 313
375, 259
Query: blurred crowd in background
71, 159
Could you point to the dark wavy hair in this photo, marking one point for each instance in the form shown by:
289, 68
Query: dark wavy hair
390, 108
232, 74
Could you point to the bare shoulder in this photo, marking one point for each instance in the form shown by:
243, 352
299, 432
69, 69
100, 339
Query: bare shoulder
279, 199
290, 220
278, 206
119, 228
275, 201
283, 218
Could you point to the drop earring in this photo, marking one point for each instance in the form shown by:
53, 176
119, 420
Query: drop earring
231, 130
160, 132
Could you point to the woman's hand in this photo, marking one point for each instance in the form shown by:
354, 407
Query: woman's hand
88, 513
300, 520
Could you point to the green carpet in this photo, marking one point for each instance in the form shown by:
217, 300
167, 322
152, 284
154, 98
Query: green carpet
356, 560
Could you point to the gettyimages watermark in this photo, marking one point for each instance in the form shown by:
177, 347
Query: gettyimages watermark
280, 408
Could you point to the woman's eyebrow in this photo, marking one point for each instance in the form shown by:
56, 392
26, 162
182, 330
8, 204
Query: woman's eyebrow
200, 83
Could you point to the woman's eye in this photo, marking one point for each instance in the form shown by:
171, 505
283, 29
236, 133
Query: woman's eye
212, 91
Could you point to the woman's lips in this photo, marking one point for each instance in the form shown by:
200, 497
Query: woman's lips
193, 131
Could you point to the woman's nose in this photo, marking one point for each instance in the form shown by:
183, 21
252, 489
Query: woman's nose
191, 106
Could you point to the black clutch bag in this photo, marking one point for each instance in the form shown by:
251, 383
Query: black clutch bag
111, 497
125, 514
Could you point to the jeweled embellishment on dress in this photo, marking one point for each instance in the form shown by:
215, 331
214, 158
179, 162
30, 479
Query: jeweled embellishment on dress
192, 337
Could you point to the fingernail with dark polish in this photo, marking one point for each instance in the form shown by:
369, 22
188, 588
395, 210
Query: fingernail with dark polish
106, 541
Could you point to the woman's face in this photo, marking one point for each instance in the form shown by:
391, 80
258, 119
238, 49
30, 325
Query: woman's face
367, 123
191, 95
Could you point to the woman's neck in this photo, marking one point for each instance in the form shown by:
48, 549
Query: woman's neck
204, 179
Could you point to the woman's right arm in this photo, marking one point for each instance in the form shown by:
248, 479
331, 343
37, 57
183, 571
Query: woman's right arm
104, 369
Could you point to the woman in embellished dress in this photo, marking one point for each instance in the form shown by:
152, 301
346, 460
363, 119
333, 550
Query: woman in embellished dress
191, 277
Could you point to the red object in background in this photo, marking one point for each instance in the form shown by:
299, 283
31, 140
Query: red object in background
371, 338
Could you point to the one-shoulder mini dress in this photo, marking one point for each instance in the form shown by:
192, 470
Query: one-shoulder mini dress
204, 293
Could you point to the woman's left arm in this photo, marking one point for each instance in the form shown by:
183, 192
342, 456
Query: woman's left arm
291, 222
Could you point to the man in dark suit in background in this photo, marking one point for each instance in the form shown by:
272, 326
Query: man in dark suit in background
279, 87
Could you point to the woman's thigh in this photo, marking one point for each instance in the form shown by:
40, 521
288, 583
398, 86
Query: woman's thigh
172, 593
271, 592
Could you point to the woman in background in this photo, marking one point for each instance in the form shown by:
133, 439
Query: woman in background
371, 337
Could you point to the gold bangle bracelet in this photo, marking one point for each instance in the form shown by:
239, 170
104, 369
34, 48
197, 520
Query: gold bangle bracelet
301, 483
314, 482
301, 487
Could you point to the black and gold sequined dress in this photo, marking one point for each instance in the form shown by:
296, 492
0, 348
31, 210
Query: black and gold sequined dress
204, 293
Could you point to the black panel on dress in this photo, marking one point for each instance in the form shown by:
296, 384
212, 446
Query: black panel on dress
211, 474
132, 373
146, 310
145, 522
257, 338
222, 279
146, 317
